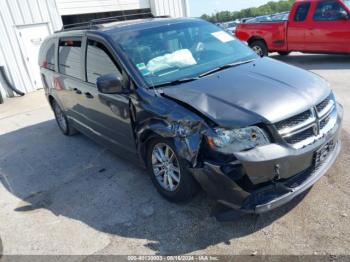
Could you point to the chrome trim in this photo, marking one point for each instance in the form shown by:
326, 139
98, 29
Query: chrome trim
289, 131
315, 121
327, 109
331, 122
322, 132
301, 129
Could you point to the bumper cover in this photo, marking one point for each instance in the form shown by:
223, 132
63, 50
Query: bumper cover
299, 173
281, 193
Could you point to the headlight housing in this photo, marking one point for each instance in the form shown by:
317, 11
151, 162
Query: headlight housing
237, 140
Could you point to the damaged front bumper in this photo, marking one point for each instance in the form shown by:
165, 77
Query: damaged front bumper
265, 178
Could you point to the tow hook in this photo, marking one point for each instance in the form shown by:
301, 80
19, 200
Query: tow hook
276, 172
277, 176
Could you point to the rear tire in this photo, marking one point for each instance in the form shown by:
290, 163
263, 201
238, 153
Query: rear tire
260, 48
169, 172
62, 120
283, 53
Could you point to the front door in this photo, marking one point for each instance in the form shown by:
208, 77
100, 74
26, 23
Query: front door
30, 38
329, 29
297, 27
108, 114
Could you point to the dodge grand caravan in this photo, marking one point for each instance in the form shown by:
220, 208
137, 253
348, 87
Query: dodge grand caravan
194, 106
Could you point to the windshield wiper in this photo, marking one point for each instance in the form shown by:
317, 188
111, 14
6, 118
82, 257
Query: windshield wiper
190, 79
210, 72
177, 82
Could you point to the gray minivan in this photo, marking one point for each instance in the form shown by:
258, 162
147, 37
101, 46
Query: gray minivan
194, 106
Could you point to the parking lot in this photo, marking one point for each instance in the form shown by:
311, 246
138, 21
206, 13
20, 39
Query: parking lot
68, 195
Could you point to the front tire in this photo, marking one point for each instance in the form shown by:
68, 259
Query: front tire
260, 48
62, 120
169, 172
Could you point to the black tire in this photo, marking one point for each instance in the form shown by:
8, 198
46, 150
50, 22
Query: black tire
283, 53
259, 47
62, 120
187, 186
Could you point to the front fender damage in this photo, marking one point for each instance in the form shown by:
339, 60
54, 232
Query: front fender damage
187, 137
188, 133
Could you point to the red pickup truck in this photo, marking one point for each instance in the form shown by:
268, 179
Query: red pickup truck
313, 26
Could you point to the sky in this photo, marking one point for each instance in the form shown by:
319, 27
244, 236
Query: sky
199, 7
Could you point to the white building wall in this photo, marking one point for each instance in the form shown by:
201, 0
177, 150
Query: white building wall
72, 7
15, 13
174, 8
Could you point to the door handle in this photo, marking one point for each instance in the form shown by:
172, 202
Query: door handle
77, 91
88, 95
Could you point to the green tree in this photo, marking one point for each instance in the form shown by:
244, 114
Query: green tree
267, 9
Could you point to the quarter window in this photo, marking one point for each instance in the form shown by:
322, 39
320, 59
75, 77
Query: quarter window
47, 59
329, 11
301, 13
70, 57
99, 62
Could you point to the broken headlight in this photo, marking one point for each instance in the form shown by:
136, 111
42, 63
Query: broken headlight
237, 140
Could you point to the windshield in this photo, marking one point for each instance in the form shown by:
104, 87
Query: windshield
182, 50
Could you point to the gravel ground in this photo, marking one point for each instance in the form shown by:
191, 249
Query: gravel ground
62, 195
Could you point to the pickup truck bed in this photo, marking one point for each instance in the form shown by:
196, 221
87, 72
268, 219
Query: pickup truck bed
273, 33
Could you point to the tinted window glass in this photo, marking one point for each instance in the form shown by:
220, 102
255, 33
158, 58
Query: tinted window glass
328, 11
301, 13
47, 55
99, 62
70, 57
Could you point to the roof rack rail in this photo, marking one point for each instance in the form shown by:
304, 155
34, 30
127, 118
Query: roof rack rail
93, 24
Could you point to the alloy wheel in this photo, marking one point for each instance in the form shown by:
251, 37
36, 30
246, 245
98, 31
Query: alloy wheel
60, 117
166, 167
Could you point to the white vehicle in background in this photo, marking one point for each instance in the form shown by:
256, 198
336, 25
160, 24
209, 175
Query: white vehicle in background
230, 27
259, 19
280, 17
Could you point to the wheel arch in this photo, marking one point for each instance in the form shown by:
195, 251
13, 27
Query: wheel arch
144, 140
256, 38
51, 99
187, 147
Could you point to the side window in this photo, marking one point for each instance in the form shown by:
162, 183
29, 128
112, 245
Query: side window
69, 57
47, 55
329, 11
301, 12
99, 62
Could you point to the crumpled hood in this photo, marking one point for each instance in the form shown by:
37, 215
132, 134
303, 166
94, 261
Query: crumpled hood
265, 90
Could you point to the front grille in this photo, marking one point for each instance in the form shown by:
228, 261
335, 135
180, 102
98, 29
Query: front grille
325, 107
299, 137
324, 122
307, 127
295, 120
321, 106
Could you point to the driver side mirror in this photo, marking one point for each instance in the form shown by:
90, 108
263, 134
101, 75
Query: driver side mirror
110, 84
343, 15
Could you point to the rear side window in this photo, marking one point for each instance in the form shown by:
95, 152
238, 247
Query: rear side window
99, 62
301, 12
47, 56
328, 11
69, 57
